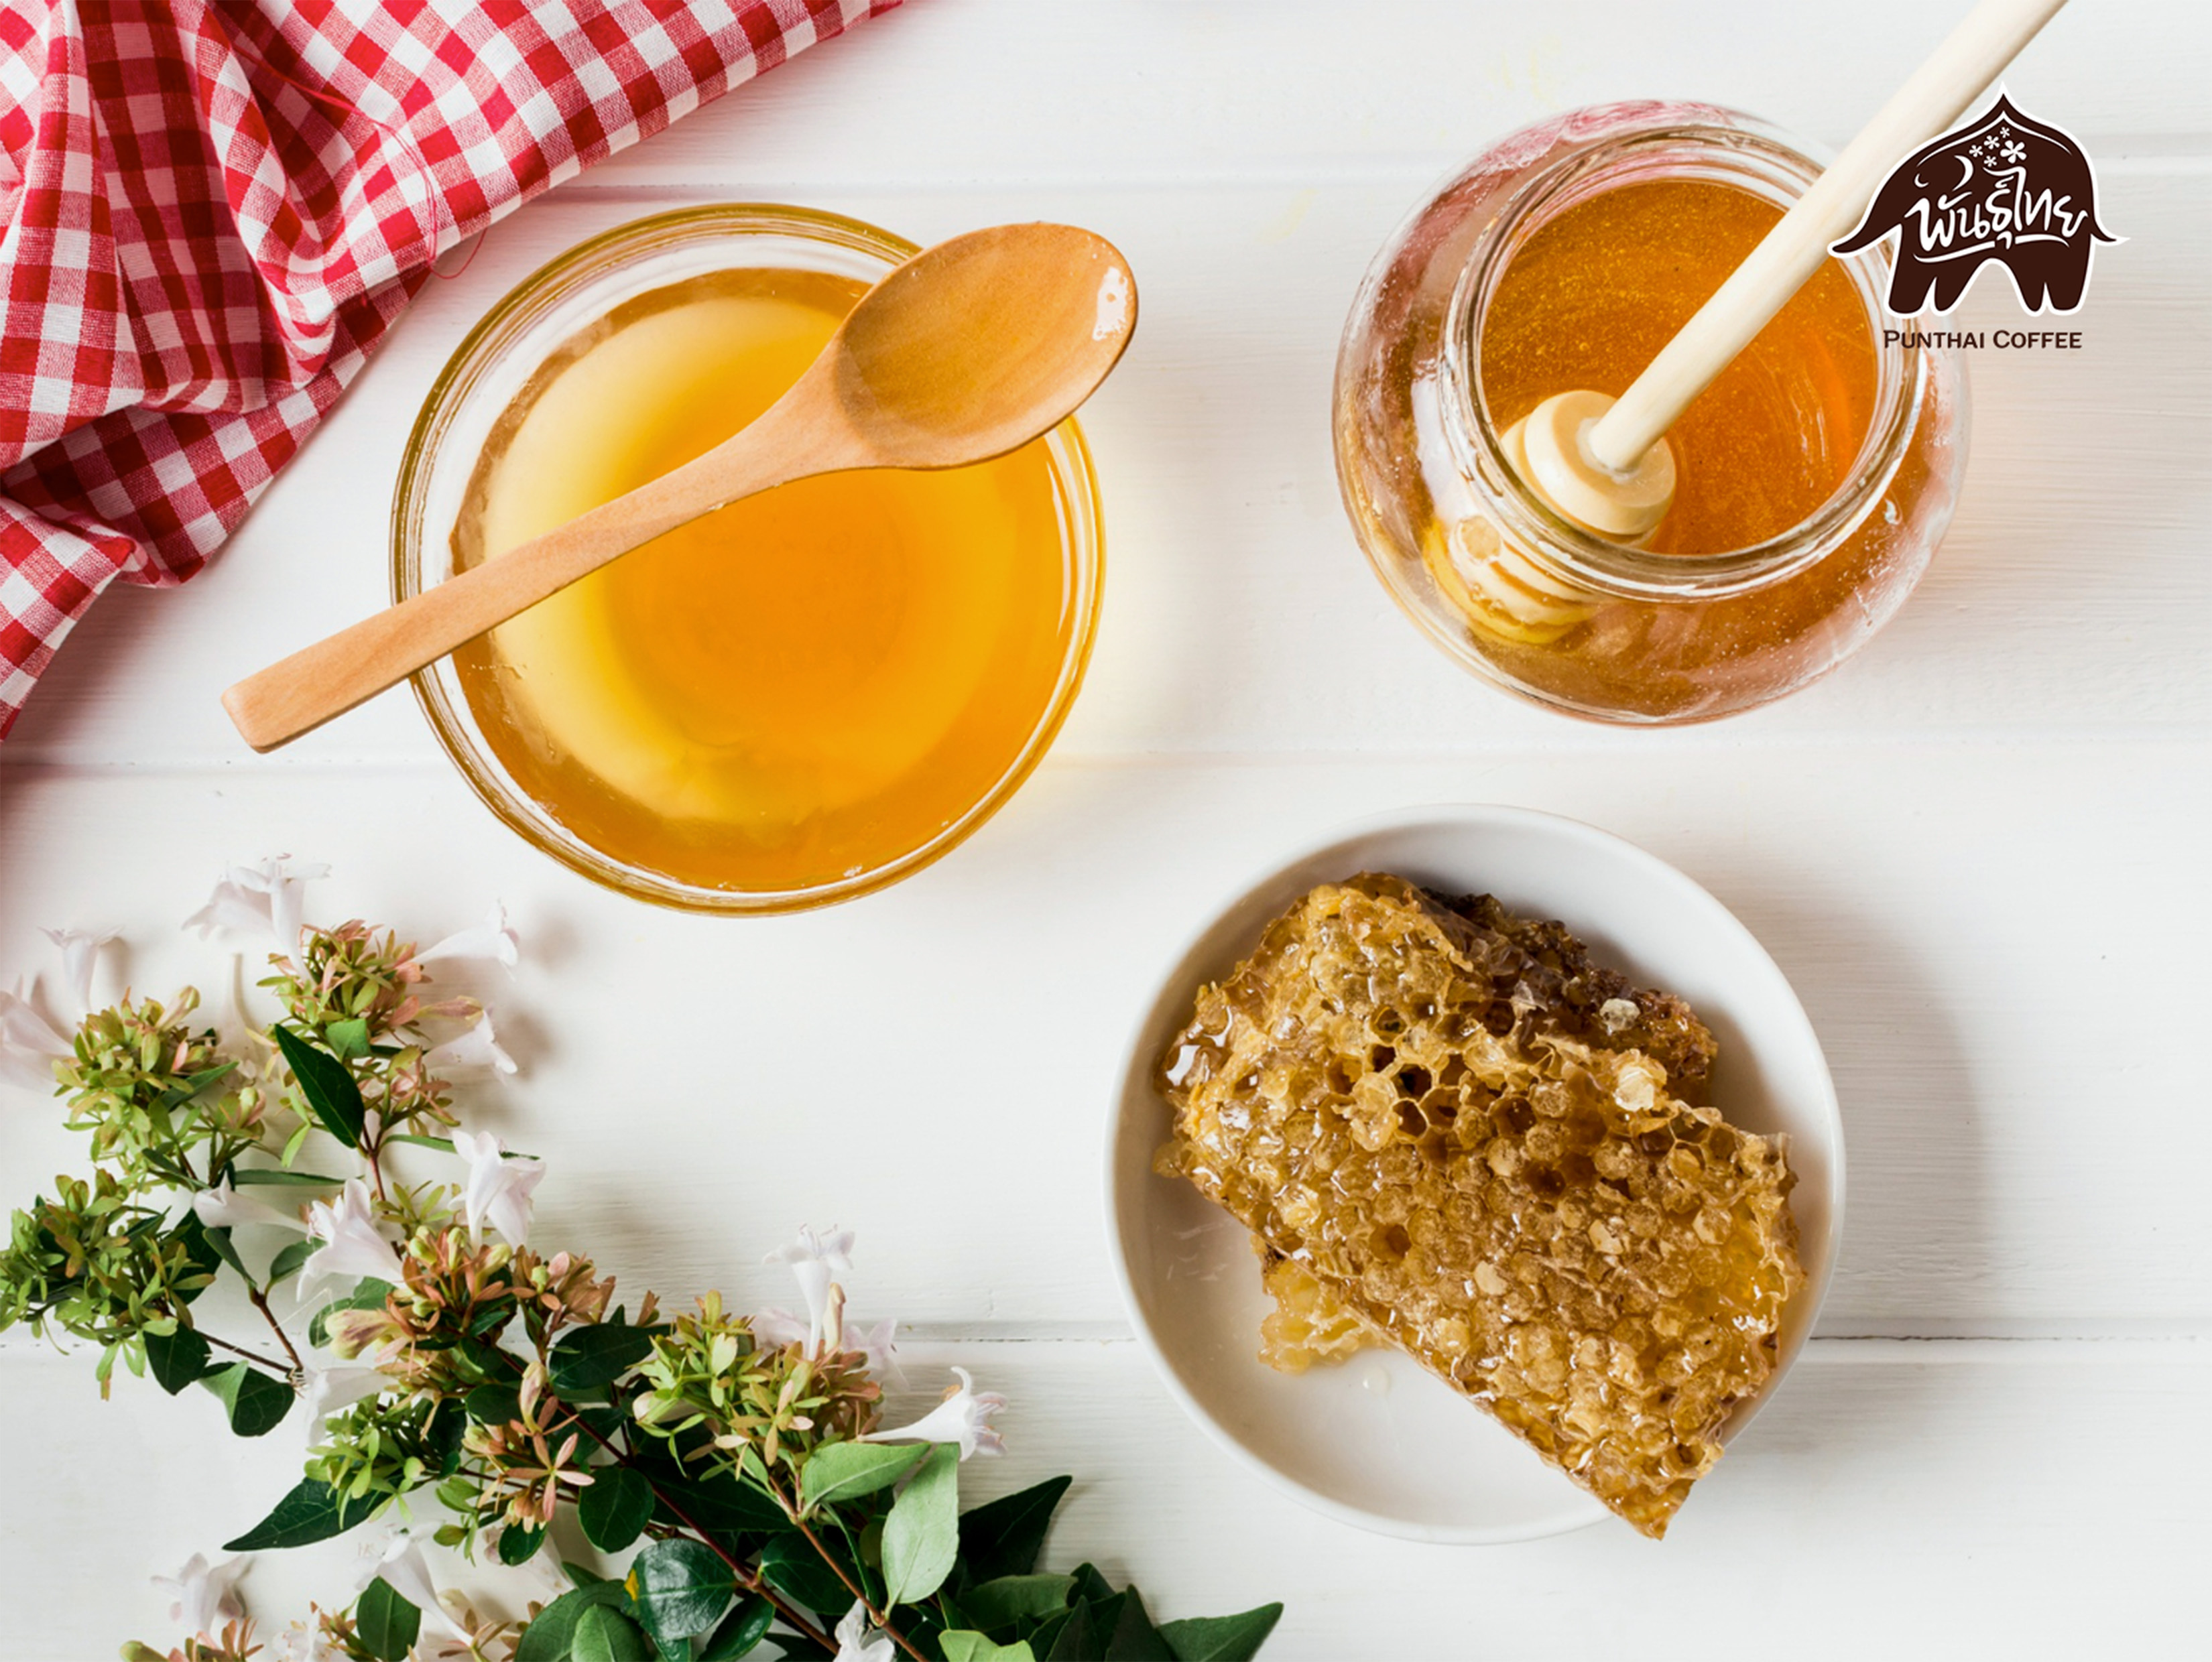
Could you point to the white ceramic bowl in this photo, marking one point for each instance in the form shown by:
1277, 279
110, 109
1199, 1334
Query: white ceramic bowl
1377, 1441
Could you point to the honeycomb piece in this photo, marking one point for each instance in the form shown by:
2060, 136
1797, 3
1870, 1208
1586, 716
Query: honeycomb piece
1470, 1140
1310, 1323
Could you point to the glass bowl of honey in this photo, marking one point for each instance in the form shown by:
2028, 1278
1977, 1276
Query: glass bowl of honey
796, 700
1817, 474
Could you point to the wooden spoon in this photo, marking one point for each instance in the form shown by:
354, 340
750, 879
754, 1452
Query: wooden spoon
969, 349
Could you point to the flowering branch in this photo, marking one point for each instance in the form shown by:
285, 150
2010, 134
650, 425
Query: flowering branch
743, 1457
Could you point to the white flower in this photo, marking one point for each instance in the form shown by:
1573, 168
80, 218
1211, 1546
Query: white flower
963, 1417
780, 1329
327, 1390
491, 939
263, 900
498, 1189
875, 1344
223, 1208
399, 1563
205, 1594
29, 1046
777, 1328
80, 960
474, 1048
304, 1644
812, 1259
352, 1245
855, 1644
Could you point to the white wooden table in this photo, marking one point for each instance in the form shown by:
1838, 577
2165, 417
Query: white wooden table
1979, 852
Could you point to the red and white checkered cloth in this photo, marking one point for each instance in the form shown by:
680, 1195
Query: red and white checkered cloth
213, 211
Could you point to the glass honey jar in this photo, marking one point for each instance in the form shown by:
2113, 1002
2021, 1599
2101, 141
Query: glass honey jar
1818, 473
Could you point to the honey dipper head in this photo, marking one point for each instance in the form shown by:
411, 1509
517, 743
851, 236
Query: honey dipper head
1551, 451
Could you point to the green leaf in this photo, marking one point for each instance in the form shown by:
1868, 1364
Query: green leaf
312, 1512
614, 1509
520, 1546
742, 1629
723, 1506
422, 1141
793, 1569
679, 1588
493, 1404
287, 1262
1044, 1638
1131, 1636
347, 1039
1002, 1538
845, 1472
328, 1085
257, 1403
585, 1358
368, 1294
177, 1359
216, 1243
199, 1252
552, 1636
386, 1622
922, 1536
1071, 1640
606, 1634
250, 1177
1221, 1638
194, 1084
1010, 1598
963, 1646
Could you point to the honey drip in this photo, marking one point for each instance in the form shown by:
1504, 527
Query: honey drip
799, 688
1447, 1129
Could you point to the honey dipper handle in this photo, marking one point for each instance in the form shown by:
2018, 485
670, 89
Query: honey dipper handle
318, 682
1973, 55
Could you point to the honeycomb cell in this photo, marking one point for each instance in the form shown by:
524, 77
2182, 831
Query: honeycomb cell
1448, 1129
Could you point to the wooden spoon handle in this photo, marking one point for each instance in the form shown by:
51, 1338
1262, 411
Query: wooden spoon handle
300, 693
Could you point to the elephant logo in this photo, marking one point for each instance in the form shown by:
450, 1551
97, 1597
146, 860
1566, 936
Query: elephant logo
2004, 189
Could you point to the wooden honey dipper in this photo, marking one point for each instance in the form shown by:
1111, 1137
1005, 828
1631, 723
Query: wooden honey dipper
1605, 463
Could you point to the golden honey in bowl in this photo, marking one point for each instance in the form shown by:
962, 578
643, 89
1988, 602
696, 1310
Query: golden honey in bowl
799, 688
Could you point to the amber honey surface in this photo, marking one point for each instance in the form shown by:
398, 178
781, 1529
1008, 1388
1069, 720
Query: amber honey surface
1593, 295
802, 687
1451, 1132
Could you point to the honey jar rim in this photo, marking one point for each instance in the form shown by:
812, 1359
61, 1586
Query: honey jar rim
1599, 150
